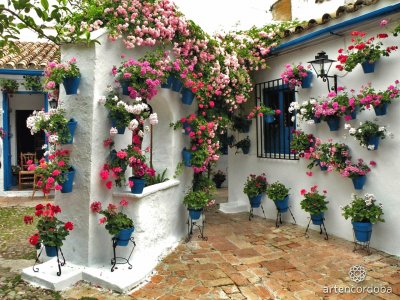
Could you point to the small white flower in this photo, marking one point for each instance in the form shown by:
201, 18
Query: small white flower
368, 202
303, 111
292, 119
113, 131
146, 128
53, 138
311, 122
102, 100
347, 126
44, 146
361, 123
140, 133
382, 128
359, 130
115, 98
313, 101
153, 119
371, 147
352, 131
133, 125
109, 88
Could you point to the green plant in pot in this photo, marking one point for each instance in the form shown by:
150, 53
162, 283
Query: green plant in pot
195, 202
254, 187
315, 204
9, 85
244, 145
279, 193
219, 177
33, 83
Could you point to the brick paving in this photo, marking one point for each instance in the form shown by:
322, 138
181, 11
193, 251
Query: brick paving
254, 260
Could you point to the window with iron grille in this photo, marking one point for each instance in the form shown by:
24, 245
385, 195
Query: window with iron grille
273, 139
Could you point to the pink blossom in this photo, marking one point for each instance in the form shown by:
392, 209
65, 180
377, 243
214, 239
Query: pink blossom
309, 174
383, 23
123, 202
103, 220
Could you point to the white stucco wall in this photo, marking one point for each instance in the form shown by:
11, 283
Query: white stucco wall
382, 181
309, 9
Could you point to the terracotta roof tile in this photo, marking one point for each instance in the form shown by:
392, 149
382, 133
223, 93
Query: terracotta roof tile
32, 55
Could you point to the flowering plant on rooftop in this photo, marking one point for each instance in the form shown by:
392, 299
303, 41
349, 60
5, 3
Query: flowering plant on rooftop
365, 131
115, 221
255, 185
368, 96
261, 110
55, 73
353, 170
314, 202
363, 50
50, 231
363, 209
294, 75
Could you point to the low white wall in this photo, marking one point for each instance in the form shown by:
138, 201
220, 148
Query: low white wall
382, 181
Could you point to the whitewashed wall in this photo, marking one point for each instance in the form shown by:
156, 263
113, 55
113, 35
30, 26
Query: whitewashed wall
382, 181
309, 9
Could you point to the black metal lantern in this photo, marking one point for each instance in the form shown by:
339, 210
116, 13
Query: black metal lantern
53, 103
321, 65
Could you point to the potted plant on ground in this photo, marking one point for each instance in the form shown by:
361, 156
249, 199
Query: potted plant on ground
118, 224
368, 134
297, 75
279, 193
51, 232
244, 145
357, 172
66, 73
33, 83
363, 212
9, 85
219, 177
254, 187
195, 202
315, 204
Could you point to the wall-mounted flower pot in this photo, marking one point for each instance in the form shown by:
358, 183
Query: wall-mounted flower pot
317, 120
359, 182
138, 185
124, 86
51, 251
121, 130
306, 82
186, 127
362, 231
71, 85
323, 167
168, 83
124, 236
176, 84
187, 156
333, 123
187, 96
67, 186
368, 67
269, 119
374, 141
255, 202
282, 205
195, 214
246, 150
71, 127
317, 219
381, 109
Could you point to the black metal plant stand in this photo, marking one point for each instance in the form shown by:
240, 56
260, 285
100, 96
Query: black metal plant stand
361, 245
251, 214
117, 260
321, 226
200, 224
59, 263
279, 217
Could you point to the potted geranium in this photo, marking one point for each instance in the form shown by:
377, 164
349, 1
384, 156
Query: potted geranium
305, 111
137, 161
118, 224
219, 177
363, 51
368, 134
244, 145
9, 85
264, 111
330, 111
296, 75
357, 172
279, 193
51, 232
66, 73
302, 142
33, 83
254, 187
315, 204
379, 100
363, 212
195, 202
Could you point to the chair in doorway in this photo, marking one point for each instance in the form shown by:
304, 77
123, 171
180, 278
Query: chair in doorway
26, 177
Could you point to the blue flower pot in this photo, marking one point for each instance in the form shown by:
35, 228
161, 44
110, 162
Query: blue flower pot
323, 168
282, 205
71, 127
51, 251
362, 231
306, 82
168, 83
138, 185
317, 120
246, 150
68, 183
195, 214
187, 96
125, 85
269, 119
71, 85
124, 236
186, 127
359, 182
176, 84
255, 202
368, 67
374, 140
317, 219
333, 123
187, 156
381, 109
121, 130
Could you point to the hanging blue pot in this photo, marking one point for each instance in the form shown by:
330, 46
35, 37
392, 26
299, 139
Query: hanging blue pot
187, 156
323, 168
168, 83
176, 84
362, 231
138, 185
317, 120
195, 214
374, 140
71, 127
359, 182
269, 119
51, 251
71, 85
306, 82
282, 205
368, 67
381, 109
187, 96
333, 123
186, 127
124, 236
121, 130
125, 85
255, 202
317, 219
246, 150
68, 183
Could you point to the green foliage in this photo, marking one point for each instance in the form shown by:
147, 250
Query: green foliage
179, 170
9, 85
313, 202
219, 176
52, 231
196, 199
301, 141
158, 178
202, 183
243, 144
255, 185
53, 122
367, 130
363, 209
32, 83
116, 221
277, 191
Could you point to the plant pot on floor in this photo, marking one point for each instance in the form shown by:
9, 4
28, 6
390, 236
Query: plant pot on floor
359, 182
373, 141
362, 231
71, 127
187, 96
68, 184
138, 185
195, 214
71, 85
317, 219
176, 84
368, 67
333, 123
168, 83
306, 82
282, 205
124, 236
121, 130
51, 251
255, 202
381, 109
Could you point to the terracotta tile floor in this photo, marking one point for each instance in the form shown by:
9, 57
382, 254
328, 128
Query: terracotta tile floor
254, 260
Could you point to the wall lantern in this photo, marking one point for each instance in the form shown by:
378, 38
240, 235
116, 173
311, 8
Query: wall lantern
53, 103
321, 65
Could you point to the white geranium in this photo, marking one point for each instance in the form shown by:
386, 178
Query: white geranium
140, 133
109, 88
347, 126
381, 128
133, 125
359, 130
102, 100
311, 122
303, 111
53, 138
115, 98
153, 119
371, 147
113, 131
352, 131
